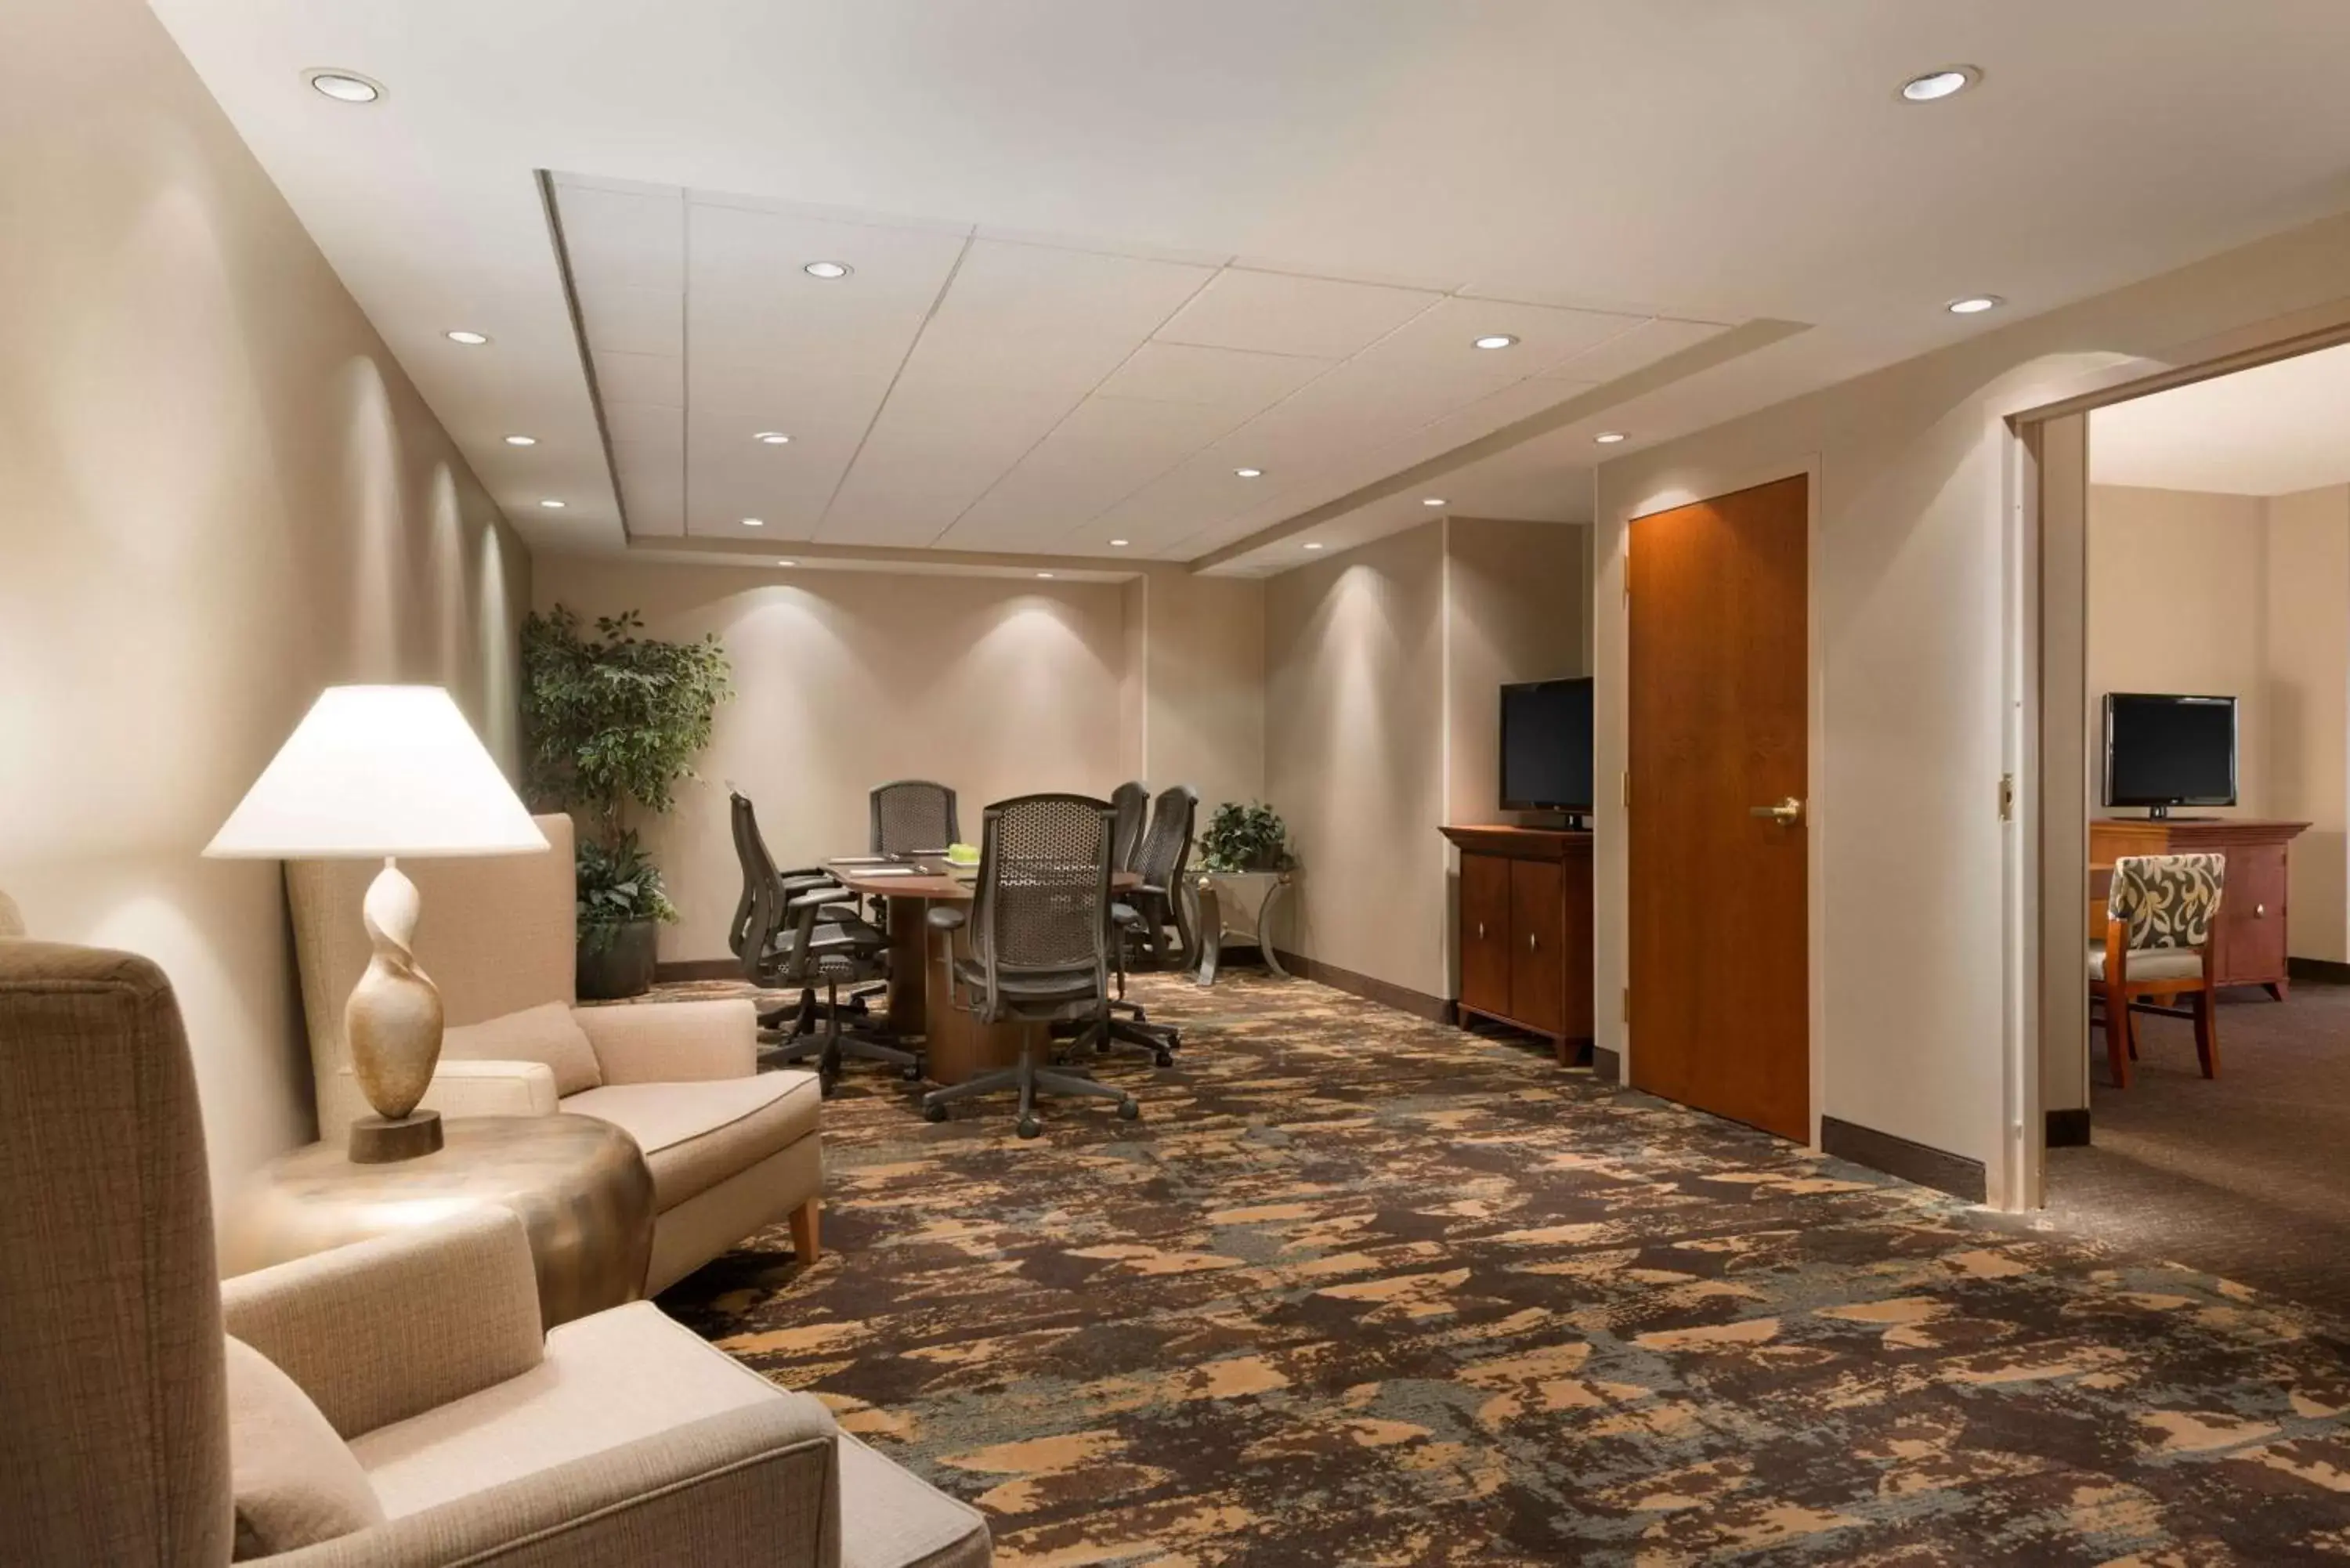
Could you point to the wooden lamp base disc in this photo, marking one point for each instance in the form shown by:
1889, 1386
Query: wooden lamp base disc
376, 1140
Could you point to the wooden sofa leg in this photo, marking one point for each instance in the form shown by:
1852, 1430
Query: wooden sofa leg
804, 1237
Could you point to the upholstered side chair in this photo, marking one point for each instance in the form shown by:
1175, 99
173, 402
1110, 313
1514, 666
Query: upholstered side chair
732, 1150
2160, 917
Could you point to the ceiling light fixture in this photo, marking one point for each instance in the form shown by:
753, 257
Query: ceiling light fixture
1433, 501
754, 521
1497, 340
554, 506
344, 86
470, 339
826, 269
1120, 543
1313, 544
1974, 305
1045, 574
1935, 86
772, 438
522, 440
1250, 473
788, 563
1608, 438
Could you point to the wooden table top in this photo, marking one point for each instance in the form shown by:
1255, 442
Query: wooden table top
927, 876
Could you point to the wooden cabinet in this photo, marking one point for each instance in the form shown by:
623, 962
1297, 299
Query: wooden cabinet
1524, 917
2250, 944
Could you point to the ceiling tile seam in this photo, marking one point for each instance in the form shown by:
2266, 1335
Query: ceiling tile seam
817, 212
1329, 369
946, 284
1029, 451
1215, 260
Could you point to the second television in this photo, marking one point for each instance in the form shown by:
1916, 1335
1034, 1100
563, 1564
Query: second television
1546, 746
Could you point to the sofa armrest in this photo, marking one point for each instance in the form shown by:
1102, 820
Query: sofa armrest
492, 1089
382, 1329
673, 1041
757, 1484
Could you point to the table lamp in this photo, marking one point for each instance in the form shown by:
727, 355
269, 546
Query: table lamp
387, 771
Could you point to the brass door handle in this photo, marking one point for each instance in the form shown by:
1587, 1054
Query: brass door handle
1531, 943
1786, 814
1481, 930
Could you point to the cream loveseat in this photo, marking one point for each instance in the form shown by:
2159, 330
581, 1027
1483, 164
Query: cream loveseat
391, 1403
732, 1150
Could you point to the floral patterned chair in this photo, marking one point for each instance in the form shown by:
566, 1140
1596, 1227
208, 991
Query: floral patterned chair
2160, 917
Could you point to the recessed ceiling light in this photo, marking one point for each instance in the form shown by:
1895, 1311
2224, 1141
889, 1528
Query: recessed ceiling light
772, 438
1043, 574
1934, 86
826, 269
1433, 501
554, 506
470, 339
1250, 473
1497, 340
1314, 543
344, 86
754, 521
1974, 305
522, 440
1120, 543
788, 563
1608, 438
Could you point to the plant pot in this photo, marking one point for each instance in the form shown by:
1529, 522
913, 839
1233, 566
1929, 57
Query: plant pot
621, 967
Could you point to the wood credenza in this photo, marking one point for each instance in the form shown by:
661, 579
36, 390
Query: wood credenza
1526, 931
2250, 946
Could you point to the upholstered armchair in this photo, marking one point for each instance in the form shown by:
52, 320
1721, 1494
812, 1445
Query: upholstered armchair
387, 1405
732, 1150
2159, 916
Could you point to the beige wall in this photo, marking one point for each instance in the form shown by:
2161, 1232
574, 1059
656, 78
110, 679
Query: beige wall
218, 494
1382, 666
2306, 693
847, 680
1912, 668
1202, 682
2203, 560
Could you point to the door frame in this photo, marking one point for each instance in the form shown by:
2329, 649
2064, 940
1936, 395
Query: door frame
1809, 469
2045, 611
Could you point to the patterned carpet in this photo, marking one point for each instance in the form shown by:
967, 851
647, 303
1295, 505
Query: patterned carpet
1363, 1290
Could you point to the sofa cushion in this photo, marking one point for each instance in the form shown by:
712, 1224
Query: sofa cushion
542, 1034
891, 1518
608, 1380
696, 1134
295, 1481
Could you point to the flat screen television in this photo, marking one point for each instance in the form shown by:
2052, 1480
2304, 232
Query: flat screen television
2165, 750
1546, 746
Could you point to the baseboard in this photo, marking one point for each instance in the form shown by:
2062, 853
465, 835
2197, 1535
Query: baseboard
2323, 970
1403, 998
2069, 1129
1921, 1163
1606, 1065
697, 969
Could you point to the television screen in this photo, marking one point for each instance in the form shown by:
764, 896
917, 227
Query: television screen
2169, 751
1546, 746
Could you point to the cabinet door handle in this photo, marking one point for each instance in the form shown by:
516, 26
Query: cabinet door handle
1531, 942
2259, 911
1481, 930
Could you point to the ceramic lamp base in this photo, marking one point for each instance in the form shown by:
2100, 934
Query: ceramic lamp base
379, 1140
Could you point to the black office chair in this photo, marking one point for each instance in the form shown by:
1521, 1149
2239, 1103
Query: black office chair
800, 929
780, 1025
1039, 927
1129, 806
1147, 911
913, 816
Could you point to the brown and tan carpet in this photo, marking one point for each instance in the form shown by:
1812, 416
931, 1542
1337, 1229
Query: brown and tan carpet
1359, 1289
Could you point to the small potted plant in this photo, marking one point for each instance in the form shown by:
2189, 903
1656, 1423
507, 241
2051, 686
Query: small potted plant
1251, 837
612, 723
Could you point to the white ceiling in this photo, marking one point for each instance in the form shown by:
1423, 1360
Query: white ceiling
2270, 431
979, 393
1722, 160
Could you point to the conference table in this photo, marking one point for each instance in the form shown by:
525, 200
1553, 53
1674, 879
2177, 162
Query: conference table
956, 1044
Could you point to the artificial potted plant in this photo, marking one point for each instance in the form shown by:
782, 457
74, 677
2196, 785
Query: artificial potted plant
1251, 837
612, 723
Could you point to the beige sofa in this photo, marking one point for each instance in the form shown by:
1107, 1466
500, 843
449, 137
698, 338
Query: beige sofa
426, 1422
732, 1150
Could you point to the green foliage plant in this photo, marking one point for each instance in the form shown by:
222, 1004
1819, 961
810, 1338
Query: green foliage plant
1251, 837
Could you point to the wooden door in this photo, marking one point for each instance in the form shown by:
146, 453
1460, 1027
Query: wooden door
1486, 934
1537, 945
1718, 923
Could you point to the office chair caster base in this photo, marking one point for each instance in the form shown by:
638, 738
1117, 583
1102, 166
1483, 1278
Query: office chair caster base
911, 1071
1029, 1127
934, 1113
1129, 1109
1164, 1058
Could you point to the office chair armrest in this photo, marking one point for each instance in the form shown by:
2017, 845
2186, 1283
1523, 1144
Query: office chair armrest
949, 917
817, 894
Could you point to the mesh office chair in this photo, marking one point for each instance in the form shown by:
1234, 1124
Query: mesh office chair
781, 1024
799, 932
1039, 926
913, 816
1129, 806
1149, 909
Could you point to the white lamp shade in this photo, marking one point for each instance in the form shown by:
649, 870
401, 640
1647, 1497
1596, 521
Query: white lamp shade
379, 769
